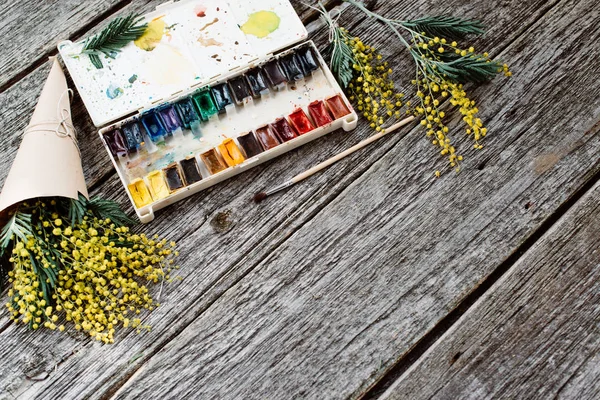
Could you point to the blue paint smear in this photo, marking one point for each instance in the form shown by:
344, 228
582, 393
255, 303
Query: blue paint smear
113, 91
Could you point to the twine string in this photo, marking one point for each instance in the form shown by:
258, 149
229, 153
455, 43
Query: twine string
329, 18
334, 24
63, 128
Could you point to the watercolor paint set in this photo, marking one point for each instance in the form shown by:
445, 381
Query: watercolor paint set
211, 89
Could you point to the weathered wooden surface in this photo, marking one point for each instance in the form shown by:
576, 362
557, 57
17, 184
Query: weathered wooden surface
348, 306
321, 290
534, 334
30, 30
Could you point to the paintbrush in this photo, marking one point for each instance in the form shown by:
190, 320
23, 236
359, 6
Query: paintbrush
263, 195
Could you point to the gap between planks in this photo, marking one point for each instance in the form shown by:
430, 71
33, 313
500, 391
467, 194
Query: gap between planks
420, 347
447, 322
231, 284
537, 322
111, 393
429, 339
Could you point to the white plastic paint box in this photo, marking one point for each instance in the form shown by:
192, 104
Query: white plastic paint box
215, 88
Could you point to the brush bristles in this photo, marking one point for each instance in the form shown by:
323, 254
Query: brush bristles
258, 197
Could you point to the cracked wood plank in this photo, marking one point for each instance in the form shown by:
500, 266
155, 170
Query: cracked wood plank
534, 334
306, 293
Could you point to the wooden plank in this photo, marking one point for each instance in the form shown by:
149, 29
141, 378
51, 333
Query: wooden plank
534, 332
583, 383
304, 255
31, 30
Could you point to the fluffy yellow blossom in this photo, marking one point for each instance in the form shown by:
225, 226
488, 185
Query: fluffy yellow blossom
435, 89
99, 273
442, 67
372, 88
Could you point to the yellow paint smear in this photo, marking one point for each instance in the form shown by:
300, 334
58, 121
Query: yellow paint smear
158, 186
261, 23
152, 36
139, 193
231, 153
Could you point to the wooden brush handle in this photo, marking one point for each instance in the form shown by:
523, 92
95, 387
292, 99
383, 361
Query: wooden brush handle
349, 151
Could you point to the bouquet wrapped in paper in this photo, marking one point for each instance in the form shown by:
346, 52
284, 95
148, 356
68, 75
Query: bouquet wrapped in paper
48, 161
70, 259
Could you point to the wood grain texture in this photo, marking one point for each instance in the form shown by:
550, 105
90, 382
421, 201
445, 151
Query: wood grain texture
534, 334
352, 289
319, 291
320, 282
31, 29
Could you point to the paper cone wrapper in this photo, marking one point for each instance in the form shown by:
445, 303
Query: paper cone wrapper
48, 162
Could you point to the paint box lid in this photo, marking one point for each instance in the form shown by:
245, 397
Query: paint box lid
188, 44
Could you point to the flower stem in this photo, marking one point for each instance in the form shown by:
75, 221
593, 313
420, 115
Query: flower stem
386, 21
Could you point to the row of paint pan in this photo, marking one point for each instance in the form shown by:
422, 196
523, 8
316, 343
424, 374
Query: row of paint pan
189, 112
161, 183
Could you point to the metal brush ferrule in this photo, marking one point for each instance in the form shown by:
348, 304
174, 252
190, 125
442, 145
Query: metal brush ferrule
280, 187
